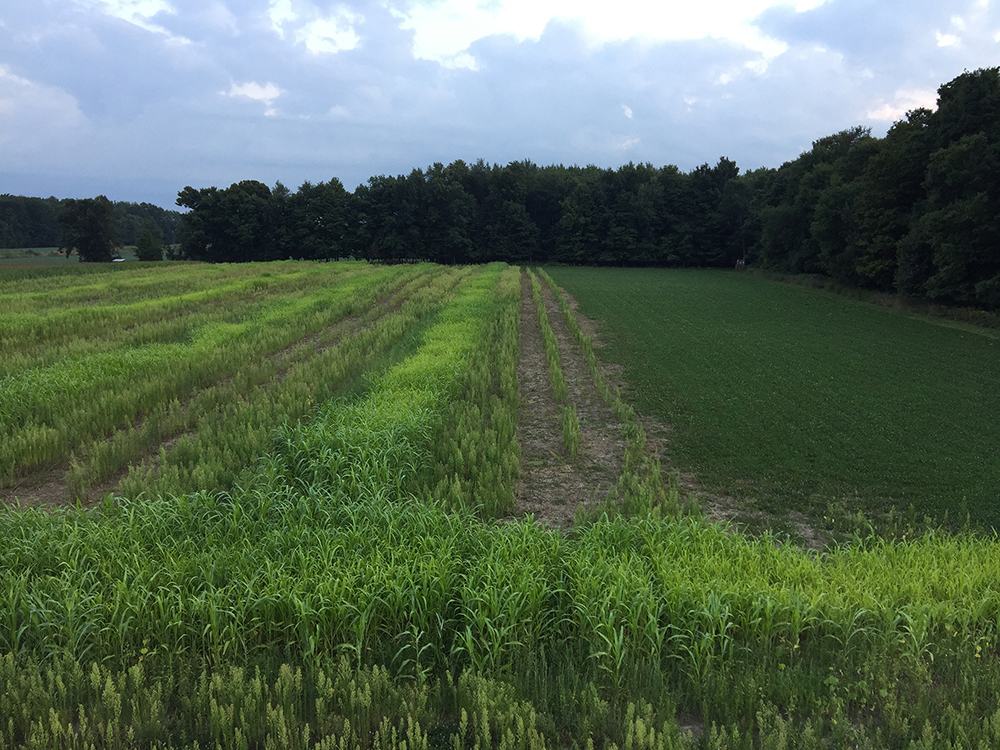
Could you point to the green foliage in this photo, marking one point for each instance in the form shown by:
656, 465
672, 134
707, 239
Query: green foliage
334, 597
235, 362
88, 229
476, 454
571, 429
797, 398
234, 225
913, 212
149, 245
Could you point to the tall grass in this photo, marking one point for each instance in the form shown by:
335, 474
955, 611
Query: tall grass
334, 597
73, 404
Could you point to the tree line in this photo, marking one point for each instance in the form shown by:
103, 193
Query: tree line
916, 212
476, 213
40, 222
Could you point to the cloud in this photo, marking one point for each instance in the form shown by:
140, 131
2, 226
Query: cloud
320, 33
138, 12
34, 118
903, 102
165, 93
445, 30
253, 90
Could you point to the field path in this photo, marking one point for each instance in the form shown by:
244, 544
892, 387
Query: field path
552, 486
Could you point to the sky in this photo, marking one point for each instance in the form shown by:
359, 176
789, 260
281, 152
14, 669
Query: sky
135, 99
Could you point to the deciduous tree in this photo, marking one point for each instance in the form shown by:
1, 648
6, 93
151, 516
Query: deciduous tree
89, 229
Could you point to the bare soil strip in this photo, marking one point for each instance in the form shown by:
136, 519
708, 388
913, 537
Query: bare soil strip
552, 486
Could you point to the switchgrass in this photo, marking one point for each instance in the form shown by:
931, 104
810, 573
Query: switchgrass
476, 457
571, 429
559, 387
72, 404
798, 398
338, 596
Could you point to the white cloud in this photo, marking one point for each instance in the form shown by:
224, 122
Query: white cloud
253, 90
625, 143
945, 40
332, 34
627, 111
446, 29
138, 12
281, 13
321, 34
903, 102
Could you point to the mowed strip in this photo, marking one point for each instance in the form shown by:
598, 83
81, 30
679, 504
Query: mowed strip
801, 399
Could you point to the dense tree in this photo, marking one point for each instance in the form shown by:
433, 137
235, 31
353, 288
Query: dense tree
34, 222
888, 192
313, 223
29, 222
89, 229
914, 212
149, 245
962, 221
229, 226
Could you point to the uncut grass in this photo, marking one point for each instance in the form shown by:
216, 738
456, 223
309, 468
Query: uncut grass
800, 398
62, 330
234, 424
326, 562
46, 412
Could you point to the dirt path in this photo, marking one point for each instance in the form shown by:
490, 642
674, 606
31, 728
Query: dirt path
552, 486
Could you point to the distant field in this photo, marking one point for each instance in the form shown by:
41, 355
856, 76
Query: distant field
44, 255
797, 398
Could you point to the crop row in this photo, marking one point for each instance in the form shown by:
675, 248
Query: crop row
640, 488
171, 313
310, 575
477, 460
568, 417
105, 407
226, 427
353, 584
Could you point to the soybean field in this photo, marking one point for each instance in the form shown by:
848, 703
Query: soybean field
318, 505
799, 398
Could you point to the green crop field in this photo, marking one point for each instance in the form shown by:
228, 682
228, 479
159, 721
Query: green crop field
795, 397
276, 506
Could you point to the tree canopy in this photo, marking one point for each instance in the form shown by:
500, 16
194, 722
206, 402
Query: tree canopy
89, 229
916, 212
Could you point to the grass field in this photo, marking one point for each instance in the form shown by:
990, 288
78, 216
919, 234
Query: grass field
799, 398
314, 542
